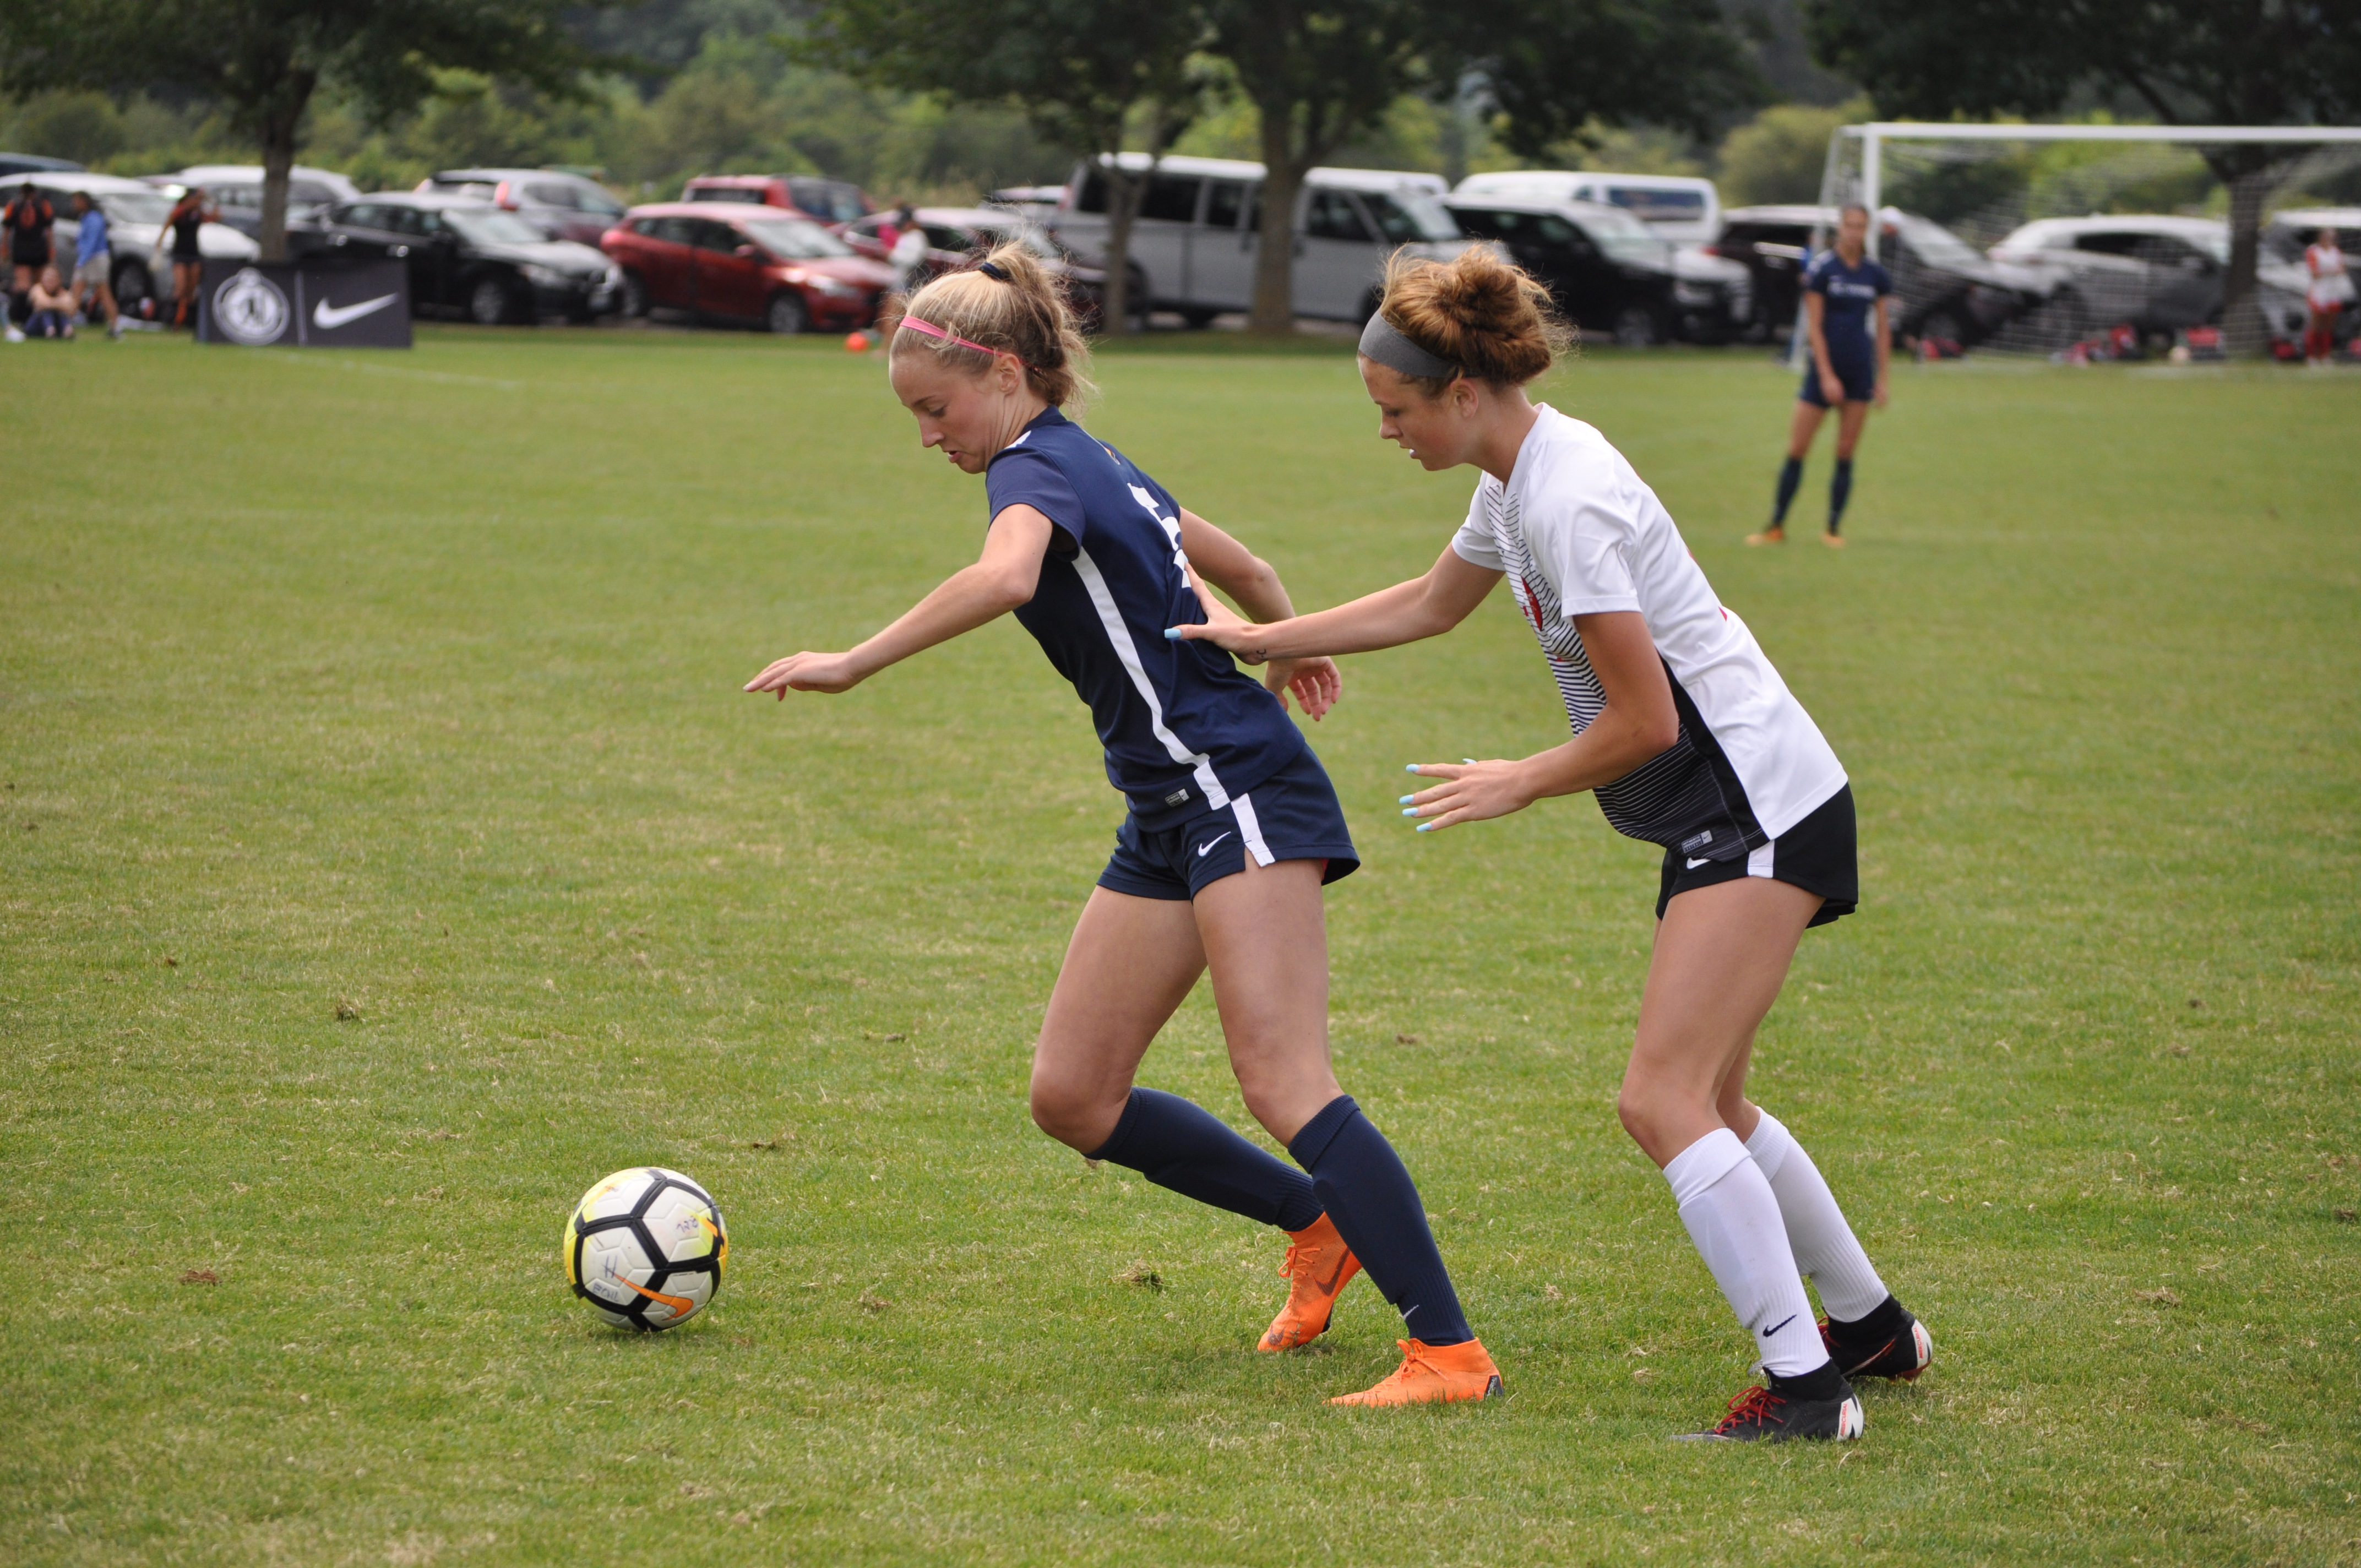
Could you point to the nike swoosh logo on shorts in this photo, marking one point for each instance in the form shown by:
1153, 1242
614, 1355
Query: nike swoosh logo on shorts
1209, 844
1693, 864
330, 317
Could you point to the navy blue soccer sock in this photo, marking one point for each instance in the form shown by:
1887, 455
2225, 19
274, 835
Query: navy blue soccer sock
1178, 1144
1791, 475
1361, 1182
1839, 492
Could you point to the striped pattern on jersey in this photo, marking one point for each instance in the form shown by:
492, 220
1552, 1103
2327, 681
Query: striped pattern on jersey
1679, 798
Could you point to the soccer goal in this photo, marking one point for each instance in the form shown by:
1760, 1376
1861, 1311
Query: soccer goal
2094, 240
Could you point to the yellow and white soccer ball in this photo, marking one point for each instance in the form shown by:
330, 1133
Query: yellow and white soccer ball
646, 1247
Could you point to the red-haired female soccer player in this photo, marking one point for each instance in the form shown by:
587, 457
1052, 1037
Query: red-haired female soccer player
1232, 832
1689, 739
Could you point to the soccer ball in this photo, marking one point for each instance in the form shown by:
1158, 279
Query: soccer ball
646, 1247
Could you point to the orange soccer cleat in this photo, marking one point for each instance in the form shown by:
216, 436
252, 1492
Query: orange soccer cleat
1319, 1265
1432, 1375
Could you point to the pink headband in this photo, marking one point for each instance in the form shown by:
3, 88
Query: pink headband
931, 329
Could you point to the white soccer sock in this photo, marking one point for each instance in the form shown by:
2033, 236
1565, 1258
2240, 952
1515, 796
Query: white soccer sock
1824, 1245
1733, 1218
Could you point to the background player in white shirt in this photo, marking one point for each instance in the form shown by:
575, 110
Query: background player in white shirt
1690, 739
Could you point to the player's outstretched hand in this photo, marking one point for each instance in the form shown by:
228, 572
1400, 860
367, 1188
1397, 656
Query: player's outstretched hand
808, 673
1471, 791
1243, 638
1316, 682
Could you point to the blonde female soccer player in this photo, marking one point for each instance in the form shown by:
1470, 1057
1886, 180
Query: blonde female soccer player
1689, 739
1233, 828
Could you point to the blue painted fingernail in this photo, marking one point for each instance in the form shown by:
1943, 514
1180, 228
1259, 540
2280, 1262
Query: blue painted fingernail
1409, 810
1411, 768
1405, 800
1424, 825
1172, 634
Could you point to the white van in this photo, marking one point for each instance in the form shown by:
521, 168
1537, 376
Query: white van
1681, 207
1198, 232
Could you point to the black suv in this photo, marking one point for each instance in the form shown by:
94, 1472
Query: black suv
474, 259
1609, 271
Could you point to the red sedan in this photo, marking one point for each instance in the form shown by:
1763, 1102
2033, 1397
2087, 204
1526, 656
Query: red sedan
721, 260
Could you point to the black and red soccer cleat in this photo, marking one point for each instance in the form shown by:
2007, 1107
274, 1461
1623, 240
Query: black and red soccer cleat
1889, 1342
1818, 1404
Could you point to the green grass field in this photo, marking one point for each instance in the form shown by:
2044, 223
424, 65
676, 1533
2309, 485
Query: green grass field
387, 852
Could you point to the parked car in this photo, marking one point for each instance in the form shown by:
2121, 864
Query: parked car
1610, 272
1774, 244
1681, 208
2157, 273
237, 189
560, 204
954, 234
829, 203
736, 261
1198, 231
1038, 203
2283, 279
469, 257
33, 163
134, 211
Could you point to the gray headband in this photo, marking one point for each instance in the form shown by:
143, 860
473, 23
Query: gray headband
1382, 342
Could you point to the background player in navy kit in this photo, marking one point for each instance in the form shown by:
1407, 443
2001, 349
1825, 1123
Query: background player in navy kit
1687, 738
1845, 296
1232, 832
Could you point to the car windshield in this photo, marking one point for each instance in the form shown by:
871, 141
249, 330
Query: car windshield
1933, 245
491, 227
1623, 237
790, 240
1403, 216
1659, 206
136, 206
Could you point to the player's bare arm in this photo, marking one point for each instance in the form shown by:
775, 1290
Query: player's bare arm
1252, 583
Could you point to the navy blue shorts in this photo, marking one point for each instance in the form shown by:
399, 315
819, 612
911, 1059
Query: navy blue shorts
1291, 816
1858, 376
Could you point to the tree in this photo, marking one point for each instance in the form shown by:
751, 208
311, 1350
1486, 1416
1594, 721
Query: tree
1081, 71
1321, 72
2234, 62
264, 60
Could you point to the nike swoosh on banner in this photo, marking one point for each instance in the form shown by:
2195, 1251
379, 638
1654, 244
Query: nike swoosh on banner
329, 317
1209, 844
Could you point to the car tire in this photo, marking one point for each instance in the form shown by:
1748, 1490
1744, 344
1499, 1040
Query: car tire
632, 298
1942, 326
1636, 326
786, 315
134, 289
492, 302
1369, 303
1198, 321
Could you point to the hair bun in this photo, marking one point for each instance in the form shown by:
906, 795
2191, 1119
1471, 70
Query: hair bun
1479, 310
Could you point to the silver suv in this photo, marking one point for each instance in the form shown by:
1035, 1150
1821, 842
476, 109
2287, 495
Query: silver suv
1199, 232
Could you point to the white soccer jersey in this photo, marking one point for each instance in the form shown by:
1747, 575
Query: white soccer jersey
1578, 533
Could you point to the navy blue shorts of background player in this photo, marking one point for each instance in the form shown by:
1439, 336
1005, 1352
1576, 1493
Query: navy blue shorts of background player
1291, 816
1858, 374
1817, 854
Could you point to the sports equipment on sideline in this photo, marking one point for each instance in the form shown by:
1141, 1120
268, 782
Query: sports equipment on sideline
646, 1248
1432, 1375
1318, 1267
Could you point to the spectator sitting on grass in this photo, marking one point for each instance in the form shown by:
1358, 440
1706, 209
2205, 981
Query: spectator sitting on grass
52, 307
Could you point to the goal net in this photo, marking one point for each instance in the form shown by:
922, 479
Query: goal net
2091, 240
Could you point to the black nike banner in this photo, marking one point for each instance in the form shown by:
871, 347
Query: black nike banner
305, 304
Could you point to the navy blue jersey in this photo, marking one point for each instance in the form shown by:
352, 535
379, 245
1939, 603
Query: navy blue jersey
1849, 292
1184, 728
